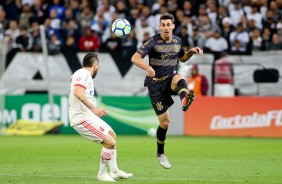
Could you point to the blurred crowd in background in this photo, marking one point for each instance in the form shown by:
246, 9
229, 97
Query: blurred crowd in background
234, 26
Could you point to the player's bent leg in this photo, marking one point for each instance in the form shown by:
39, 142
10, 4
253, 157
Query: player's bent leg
186, 96
187, 100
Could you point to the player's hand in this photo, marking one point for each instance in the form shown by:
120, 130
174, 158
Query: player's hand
100, 112
196, 50
150, 72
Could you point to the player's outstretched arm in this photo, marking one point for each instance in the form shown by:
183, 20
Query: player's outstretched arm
138, 61
190, 53
79, 92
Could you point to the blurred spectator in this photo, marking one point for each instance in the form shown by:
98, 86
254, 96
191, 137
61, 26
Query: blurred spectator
74, 6
71, 29
197, 82
216, 44
266, 38
54, 45
58, 7
113, 44
19, 39
279, 30
276, 12
68, 16
239, 40
25, 16
49, 30
263, 8
29, 2
251, 27
270, 22
145, 15
13, 10
38, 11
134, 14
146, 37
121, 9
183, 35
256, 17
163, 10
157, 6
69, 50
187, 8
24, 40
89, 41
221, 14
12, 33
55, 22
129, 45
107, 9
102, 28
198, 20
206, 25
224, 3
256, 40
36, 39
3, 23
198, 40
275, 43
70, 44
226, 27
142, 29
212, 13
178, 22
237, 13
186, 21
223, 71
85, 18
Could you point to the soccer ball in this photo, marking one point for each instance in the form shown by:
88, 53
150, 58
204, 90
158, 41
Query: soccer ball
121, 28
152, 132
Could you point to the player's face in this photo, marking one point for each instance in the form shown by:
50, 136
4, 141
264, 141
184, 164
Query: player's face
95, 71
166, 27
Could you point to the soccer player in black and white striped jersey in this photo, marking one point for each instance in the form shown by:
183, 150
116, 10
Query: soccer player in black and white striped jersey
164, 51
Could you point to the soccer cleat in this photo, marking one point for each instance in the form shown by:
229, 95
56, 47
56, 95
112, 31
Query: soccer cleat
121, 175
186, 101
163, 161
105, 177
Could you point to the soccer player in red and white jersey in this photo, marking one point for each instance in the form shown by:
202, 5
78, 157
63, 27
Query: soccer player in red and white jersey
85, 118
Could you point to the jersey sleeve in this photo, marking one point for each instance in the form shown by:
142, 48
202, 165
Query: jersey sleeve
181, 51
82, 80
146, 47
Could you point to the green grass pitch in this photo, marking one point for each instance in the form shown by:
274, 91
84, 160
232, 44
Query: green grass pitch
208, 160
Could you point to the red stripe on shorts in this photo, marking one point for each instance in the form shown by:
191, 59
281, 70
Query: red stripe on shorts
93, 130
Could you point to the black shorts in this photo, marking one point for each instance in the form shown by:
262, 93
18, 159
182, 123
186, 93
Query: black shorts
160, 95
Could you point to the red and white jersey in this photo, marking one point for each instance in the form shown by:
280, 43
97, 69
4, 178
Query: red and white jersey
77, 110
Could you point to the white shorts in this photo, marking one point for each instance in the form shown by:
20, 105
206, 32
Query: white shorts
92, 128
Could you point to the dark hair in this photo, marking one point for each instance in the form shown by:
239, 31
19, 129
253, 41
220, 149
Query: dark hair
167, 16
89, 59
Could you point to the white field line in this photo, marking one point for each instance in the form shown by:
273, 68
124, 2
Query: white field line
136, 178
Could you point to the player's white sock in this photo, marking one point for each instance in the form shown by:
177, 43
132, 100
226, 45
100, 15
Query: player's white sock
113, 162
106, 155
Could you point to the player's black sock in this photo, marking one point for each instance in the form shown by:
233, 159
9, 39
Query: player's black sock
182, 88
161, 135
